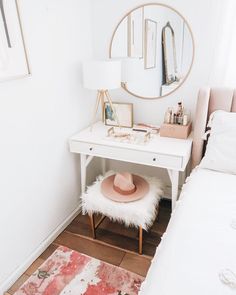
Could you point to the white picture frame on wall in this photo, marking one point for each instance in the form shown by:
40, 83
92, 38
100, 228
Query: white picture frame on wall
13, 57
150, 44
135, 25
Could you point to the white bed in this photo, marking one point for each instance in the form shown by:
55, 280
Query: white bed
200, 241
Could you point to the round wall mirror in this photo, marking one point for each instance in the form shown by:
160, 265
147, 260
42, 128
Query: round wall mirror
156, 47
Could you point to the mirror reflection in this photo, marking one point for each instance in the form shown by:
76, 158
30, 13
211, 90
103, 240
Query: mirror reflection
155, 44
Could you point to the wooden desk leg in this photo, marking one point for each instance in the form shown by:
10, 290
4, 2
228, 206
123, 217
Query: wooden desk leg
91, 218
174, 178
140, 248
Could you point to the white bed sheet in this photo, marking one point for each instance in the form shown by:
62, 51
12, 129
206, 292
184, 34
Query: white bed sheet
199, 242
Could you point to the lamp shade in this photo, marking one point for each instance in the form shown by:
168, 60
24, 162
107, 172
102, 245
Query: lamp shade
102, 75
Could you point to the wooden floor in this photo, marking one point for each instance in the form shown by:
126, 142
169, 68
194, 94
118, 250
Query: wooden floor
115, 244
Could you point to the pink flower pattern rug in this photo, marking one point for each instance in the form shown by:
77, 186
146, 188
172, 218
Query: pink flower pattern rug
69, 272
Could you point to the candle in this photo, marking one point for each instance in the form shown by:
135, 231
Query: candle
185, 120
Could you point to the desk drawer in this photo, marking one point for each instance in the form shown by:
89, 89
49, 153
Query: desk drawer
127, 155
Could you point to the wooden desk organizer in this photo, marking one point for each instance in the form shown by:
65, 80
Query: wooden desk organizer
175, 130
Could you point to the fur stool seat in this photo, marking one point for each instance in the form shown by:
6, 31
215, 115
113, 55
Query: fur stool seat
140, 214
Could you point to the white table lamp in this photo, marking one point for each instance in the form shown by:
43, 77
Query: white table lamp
102, 76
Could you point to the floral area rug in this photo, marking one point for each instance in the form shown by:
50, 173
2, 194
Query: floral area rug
69, 272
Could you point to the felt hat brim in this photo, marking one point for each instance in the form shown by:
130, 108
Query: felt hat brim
107, 189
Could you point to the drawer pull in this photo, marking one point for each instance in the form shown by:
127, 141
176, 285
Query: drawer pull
91, 149
154, 159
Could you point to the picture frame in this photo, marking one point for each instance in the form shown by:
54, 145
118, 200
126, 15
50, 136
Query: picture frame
135, 22
14, 61
124, 113
150, 44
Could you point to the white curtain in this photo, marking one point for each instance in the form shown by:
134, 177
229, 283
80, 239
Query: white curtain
224, 65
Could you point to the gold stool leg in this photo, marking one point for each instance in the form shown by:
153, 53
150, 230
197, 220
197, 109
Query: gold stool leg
140, 248
91, 218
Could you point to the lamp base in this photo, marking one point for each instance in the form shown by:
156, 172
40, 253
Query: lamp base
101, 96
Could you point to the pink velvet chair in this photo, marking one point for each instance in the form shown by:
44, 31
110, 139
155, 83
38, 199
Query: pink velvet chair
209, 100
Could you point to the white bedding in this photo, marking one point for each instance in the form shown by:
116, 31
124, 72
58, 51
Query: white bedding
200, 241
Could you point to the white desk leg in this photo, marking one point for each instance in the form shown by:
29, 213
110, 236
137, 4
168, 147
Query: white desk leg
83, 172
104, 168
174, 178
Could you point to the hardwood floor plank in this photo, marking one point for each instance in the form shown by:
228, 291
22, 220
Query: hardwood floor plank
125, 243
91, 248
18, 284
152, 238
48, 252
125, 238
34, 266
165, 203
136, 263
80, 228
84, 218
115, 239
81, 224
113, 228
159, 225
118, 228
159, 228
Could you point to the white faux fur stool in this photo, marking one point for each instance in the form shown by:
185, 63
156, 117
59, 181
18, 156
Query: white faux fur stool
140, 214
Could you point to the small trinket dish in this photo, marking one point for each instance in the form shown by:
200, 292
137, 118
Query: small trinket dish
128, 135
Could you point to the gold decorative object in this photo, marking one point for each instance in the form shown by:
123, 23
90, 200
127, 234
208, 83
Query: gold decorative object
128, 135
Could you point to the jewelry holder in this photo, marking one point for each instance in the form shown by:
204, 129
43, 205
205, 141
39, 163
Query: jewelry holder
128, 135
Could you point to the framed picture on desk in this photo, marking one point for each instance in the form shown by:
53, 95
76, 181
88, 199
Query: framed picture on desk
124, 113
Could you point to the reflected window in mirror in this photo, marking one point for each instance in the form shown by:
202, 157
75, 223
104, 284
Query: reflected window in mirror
159, 44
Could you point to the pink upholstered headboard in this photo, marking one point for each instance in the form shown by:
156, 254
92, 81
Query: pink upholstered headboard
209, 100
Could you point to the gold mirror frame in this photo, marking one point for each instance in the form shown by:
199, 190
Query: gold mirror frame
123, 85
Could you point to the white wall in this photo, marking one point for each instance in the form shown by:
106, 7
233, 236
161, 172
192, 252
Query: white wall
202, 16
39, 185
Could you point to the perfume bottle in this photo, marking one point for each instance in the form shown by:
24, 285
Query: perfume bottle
186, 117
180, 113
168, 115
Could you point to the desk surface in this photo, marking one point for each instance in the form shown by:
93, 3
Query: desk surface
162, 145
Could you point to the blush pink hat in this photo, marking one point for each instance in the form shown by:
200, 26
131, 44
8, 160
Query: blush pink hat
124, 187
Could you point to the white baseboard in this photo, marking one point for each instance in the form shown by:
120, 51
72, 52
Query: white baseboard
40, 249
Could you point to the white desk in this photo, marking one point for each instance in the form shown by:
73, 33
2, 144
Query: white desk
171, 154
